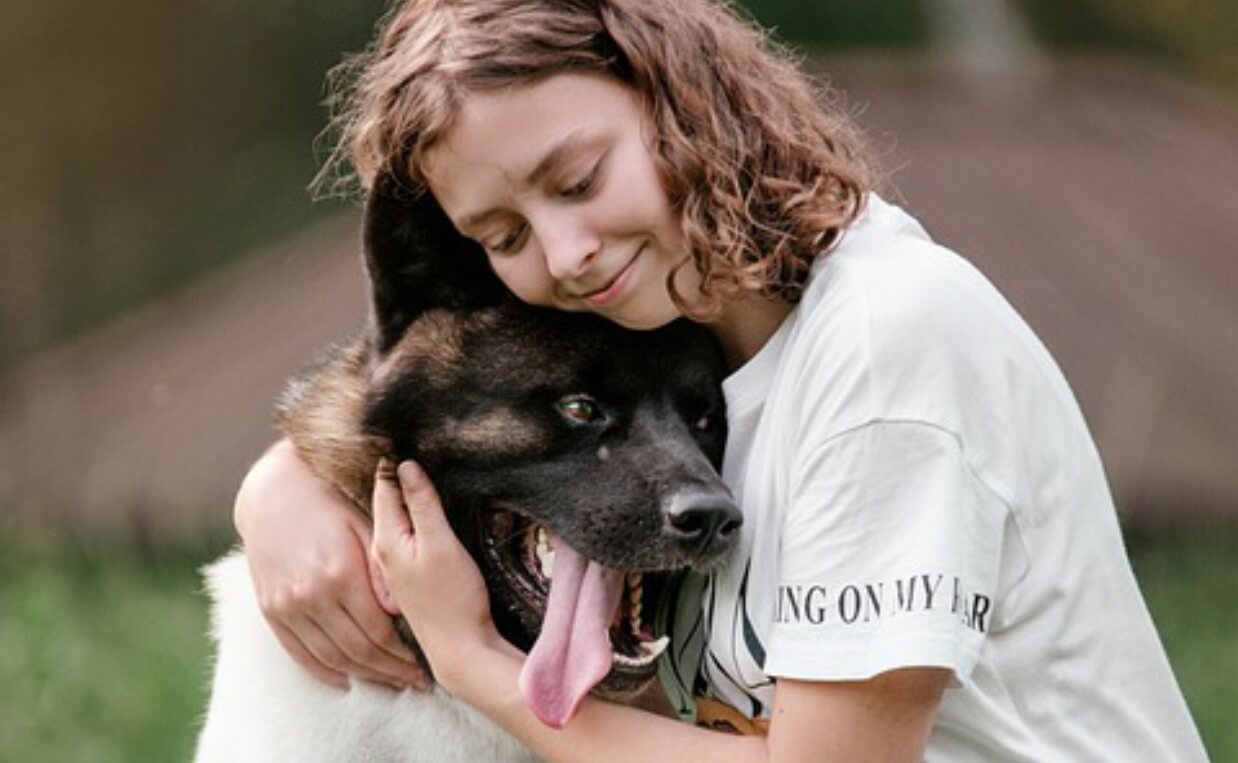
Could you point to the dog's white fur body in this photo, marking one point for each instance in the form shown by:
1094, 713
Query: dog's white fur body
265, 708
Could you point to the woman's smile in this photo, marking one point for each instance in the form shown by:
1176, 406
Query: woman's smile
611, 291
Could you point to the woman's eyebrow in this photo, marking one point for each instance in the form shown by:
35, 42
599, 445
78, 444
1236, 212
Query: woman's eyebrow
558, 153
573, 141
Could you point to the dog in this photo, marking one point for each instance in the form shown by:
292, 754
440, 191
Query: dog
551, 438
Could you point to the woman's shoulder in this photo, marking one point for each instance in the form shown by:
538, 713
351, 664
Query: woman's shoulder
888, 281
893, 323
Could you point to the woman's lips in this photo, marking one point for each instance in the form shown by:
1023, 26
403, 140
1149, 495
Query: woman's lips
612, 290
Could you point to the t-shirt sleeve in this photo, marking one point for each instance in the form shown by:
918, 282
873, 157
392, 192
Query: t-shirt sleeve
889, 557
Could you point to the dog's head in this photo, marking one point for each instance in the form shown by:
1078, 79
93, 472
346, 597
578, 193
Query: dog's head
552, 439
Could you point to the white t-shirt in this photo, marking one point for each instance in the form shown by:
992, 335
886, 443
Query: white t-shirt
920, 489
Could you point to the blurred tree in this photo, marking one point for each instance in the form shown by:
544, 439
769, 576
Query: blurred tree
149, 141
843, 24
1198, 37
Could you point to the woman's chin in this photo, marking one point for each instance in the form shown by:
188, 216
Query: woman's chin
648, 321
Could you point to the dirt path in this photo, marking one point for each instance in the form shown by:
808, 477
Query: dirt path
1101, 199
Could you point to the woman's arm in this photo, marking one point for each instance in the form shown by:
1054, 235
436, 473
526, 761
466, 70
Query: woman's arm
439, 587
885, 719
307, 551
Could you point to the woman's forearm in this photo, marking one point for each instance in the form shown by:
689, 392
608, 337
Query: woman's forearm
600, 732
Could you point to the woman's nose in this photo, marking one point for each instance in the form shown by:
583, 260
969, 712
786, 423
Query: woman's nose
569, 248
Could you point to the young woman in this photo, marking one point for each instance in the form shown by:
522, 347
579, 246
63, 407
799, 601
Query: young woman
931, 566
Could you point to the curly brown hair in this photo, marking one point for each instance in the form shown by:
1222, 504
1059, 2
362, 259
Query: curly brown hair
762, 166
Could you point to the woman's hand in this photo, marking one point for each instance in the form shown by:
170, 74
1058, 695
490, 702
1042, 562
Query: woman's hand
430, 575
307, 551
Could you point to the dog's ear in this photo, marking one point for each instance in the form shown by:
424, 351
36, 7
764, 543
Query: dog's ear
417, 261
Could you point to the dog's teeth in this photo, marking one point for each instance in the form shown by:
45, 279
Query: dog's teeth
631, 662
655, 648
545, 554
635, 594
649, 651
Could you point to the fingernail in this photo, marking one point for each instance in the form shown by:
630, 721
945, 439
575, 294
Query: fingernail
410, 472
385, 470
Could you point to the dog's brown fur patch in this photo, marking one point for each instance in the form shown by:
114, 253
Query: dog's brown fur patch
436, 339
499, 430
320, 413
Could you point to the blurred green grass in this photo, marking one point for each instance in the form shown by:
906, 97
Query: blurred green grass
1189, 577
103, 656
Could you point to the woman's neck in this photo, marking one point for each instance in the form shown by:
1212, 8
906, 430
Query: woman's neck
745, 325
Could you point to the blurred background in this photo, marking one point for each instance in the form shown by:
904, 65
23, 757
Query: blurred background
163, 269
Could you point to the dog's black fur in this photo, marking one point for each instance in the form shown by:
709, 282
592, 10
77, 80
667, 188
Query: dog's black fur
608, 438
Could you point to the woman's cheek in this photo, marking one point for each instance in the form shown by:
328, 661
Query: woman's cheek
522, 279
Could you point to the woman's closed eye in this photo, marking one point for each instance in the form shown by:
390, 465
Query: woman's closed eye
513, 239
509, 241
582, 187
586, 185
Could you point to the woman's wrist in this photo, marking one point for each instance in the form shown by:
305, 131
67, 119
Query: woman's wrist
456, 665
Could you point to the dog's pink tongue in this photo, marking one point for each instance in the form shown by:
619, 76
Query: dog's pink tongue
573, 651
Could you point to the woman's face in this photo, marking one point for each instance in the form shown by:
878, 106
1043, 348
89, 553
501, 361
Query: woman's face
557, 181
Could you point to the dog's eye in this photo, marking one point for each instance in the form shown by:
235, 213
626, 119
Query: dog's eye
704, 423
581, 409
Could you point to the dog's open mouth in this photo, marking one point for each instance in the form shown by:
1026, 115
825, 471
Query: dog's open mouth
524, 554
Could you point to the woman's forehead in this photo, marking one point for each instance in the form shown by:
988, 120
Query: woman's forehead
506, 141
524, 121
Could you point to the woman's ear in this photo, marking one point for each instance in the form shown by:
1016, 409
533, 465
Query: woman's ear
417, 261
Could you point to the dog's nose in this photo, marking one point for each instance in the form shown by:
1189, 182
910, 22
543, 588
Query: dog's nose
702, 522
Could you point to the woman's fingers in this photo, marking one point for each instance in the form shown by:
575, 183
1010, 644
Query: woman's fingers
428, 572
336, 627
424, 507
393, 529
337, 630
365, 658
380, 589
376, 645
333, 645
305, 658
342, 647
